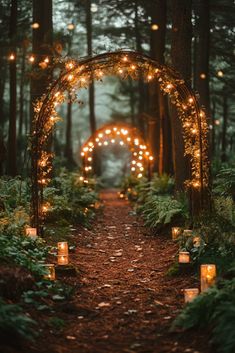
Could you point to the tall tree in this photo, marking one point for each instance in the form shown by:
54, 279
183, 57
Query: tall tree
160, 128
181, 60
42, 47
12, 144
202, 43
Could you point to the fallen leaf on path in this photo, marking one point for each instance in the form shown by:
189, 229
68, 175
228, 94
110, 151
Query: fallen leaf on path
71, 337
103, 305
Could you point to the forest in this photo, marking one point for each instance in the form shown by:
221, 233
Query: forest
117, 176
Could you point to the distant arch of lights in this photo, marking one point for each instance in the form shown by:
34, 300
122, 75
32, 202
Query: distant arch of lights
78, 73
123, 135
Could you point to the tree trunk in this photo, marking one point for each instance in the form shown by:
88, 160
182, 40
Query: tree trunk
160, 134
181, 61
21, 100
68, 143
42, 46
11, 162
2, 90
141, 85
202, 50
224, 129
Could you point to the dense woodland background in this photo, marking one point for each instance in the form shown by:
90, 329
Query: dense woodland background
195, 37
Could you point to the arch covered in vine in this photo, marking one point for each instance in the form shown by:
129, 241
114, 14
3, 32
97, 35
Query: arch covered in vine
76, 74
123, 135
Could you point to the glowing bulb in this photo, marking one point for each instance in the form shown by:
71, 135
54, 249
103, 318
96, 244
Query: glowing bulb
140, 175
128, 139
69, 65
97, 139
136, 142
190, 100
133, 67
100, 143
140, 152
169, 86
106, 143
133, 169
150, 77
140, 158
220, 73
202, 76
82, 154
100, 135
90, 144
151, 158
46, 60
70, 77
121, 143
133, 162
89, 159
31, 58
125, 58
147, 153
70, 26
85, 149
120, 71
194, 131
112, 141
12, 57
35, 25
154, 27
108, 132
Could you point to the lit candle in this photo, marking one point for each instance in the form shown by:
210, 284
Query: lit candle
50, 275
196, 242
190, 294
31, 232
187, 233
208, 276
184, 257
62, 248
175, 232
63, 259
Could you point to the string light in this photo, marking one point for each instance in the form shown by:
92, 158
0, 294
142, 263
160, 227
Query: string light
35, 25
169, 81
31, 59
12, 57
70, 26
220, 73
202, 76
154, 27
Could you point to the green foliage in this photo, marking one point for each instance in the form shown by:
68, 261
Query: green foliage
70, 200
215, 309
24, 251
14, 193
13, 322
225, 182
159, 211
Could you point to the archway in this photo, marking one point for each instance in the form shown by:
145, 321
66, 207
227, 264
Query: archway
76, 74
124, 135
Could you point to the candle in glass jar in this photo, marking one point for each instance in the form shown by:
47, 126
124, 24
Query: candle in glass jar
208, 276
62, 248
50, 275
31, 232
187, 233
190, 294
196, 242
63, 260
175, 232
184, 257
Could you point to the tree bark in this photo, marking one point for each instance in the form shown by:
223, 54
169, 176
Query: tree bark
203, 54
224, 129
42, 46
141, 85
12, 143
181, 61
160, 132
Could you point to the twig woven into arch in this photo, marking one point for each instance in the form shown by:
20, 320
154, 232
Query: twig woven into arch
77, 74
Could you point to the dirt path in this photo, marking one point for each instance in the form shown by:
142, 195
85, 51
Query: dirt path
125, 302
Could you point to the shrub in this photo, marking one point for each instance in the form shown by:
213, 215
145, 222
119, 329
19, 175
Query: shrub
214, 309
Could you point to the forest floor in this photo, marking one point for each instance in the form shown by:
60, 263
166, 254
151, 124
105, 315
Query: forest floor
124, 299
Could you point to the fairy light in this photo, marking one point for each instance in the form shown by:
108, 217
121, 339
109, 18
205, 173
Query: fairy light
31, 58
127, 63
154, 27
89, 159
70, 26
70, 77
220, 73
35, 25
203, 76
46, 60
121, 143
69, 65
12, 57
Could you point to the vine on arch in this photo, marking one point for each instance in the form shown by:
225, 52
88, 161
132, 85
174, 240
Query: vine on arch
77, 74
124, 135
